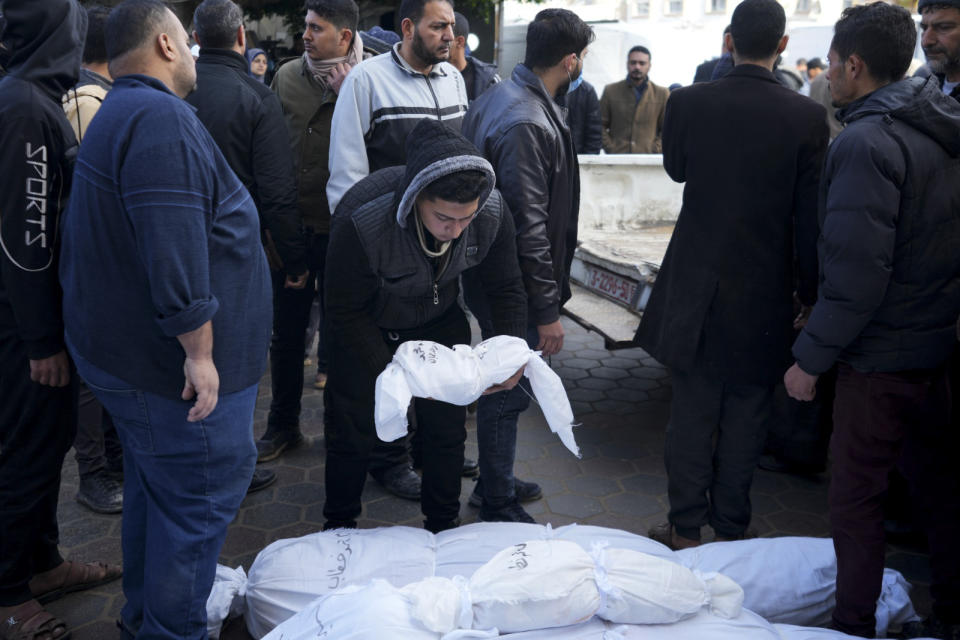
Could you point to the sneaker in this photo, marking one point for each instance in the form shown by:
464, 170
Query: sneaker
400, 480
510, 512
470, 468
100, 493
262, 478
273, 443
666, 535
524, 492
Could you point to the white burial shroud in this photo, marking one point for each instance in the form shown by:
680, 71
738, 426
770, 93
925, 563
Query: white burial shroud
425, 369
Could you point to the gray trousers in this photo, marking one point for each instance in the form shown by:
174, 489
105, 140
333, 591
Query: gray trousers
713, 442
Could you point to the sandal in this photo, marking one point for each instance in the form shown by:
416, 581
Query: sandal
33, 622
80, 576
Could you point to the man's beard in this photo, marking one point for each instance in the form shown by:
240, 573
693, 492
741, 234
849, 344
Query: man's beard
949, 64
562, 89
638, 78
423, 53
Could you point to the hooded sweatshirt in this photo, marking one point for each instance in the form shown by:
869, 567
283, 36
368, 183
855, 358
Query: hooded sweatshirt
378, 278
37, 149
889, 292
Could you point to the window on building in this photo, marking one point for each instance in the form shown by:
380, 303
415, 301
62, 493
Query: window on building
674, 7
718, 6
642, 8
803, 6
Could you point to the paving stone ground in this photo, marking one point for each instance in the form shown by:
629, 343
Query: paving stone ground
620, 397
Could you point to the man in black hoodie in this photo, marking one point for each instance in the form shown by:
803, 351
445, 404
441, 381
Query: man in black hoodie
38, 388
398, 244
888, 300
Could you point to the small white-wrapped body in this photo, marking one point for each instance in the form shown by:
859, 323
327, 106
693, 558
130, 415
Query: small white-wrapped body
424, 369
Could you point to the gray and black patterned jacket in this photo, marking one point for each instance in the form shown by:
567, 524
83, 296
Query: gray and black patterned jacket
379, 104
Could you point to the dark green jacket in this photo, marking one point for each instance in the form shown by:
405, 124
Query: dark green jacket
307, 109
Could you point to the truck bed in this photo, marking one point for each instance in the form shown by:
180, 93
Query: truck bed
612, 277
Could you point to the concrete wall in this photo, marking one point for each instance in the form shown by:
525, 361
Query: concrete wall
626, 192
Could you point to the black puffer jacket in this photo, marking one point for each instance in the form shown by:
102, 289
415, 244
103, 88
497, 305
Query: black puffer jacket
890, 229
245, 119
37, 150
377, 276
523, 134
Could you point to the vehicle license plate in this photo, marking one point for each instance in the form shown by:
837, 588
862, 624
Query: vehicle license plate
612, 285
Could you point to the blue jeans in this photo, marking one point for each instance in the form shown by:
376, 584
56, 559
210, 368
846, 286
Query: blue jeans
183, 484
497, 414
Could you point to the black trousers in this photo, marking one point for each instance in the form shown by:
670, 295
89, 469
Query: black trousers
97, 445
37, 427
291, 315
881, 420
800, 431
714, 440
351, 434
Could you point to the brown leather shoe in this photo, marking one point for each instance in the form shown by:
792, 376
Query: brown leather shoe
665, 534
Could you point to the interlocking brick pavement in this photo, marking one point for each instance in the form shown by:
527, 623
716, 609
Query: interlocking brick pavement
620, 398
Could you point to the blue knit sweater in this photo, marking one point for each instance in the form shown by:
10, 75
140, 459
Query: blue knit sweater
158, 238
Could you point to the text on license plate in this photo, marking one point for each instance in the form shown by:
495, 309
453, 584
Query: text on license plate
615, 286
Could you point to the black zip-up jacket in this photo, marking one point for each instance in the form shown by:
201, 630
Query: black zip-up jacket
889, 233
524, 135
245, 119
583, 118
480, 77
37, 150
379, 279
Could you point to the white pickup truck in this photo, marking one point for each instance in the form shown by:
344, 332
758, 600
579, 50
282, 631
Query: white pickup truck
628, 207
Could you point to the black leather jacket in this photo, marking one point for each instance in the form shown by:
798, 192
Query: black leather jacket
523, 134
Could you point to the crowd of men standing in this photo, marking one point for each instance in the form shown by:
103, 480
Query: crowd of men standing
159, 250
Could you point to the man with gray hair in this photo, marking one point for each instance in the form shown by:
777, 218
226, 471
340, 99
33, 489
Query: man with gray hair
940, 29
245, 119
160, 226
